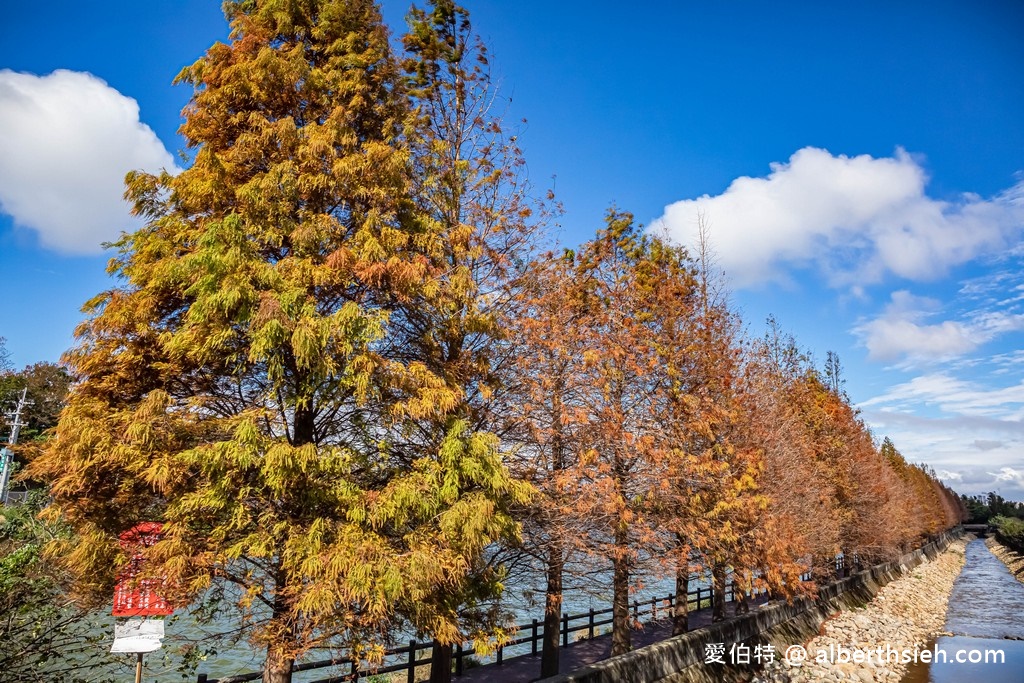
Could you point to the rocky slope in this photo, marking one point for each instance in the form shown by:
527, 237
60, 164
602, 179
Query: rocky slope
1013, 560
907, 613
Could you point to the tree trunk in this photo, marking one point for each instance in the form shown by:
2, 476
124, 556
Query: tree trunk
552, 613
718, 585
278, 667
621, 628
304, 425
440, 663
556, 555
742, 603
681, 612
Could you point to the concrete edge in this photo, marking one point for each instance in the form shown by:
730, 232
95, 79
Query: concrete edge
682, 657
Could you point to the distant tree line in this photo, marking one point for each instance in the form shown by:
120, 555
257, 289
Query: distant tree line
1005, 516
347, 370
982, 508
46, 386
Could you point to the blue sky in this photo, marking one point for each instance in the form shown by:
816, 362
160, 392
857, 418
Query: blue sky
861, 167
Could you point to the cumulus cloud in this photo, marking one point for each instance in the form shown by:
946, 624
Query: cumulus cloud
901, 332
888, 338
858, 218
66, 141
1009, 474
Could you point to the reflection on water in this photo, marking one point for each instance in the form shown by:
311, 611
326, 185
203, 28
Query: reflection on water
986, 608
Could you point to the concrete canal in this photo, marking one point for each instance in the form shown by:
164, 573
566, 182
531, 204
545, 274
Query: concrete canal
985, 617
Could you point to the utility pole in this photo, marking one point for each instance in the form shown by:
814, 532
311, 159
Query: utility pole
6, 456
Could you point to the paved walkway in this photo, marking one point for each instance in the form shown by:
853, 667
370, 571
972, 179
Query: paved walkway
526, 668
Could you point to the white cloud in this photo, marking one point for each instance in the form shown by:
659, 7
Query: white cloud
994, 323
66, 141
954, 396
970, 453
901, 332
1009, 474
1003, 286
857, 218
889, 338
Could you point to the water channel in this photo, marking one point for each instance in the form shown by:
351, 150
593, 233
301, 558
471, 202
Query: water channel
985, 616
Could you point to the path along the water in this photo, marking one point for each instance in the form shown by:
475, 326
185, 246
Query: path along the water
985, 613
582, 653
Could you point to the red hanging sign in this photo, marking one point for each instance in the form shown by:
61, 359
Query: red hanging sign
135, 597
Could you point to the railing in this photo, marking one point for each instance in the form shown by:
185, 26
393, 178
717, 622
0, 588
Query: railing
701, 598
590, 622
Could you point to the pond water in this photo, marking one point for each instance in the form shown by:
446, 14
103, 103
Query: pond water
240, 658
986, 618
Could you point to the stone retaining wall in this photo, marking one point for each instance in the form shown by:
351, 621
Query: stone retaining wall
680, 659
1013, 560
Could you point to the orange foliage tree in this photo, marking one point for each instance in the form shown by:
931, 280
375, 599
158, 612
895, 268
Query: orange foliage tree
547, 420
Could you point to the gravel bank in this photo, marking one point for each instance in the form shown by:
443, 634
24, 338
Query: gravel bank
906, 613
1013, 560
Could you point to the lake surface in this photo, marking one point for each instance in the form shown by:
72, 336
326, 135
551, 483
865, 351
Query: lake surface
240, 658
986, 618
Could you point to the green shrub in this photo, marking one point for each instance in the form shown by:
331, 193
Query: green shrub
40, 627
1009, 531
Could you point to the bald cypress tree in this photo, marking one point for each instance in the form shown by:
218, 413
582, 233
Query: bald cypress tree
246, 383
472, 200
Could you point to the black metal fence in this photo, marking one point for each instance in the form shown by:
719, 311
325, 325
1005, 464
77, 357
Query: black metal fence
406, 658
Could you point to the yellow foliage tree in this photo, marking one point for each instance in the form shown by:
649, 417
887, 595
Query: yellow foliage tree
244, 385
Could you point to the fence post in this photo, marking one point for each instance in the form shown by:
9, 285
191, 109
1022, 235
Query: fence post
500, 650
354, 673
458, 659
411, 678
591, 623
654, 608
565, 629
636, 610
533, 636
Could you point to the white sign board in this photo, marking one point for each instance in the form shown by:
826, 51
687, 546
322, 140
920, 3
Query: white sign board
138, 634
